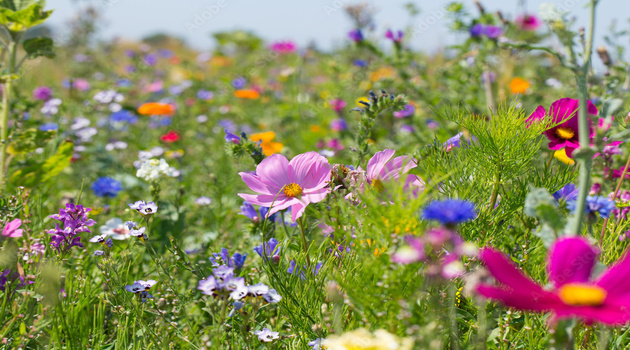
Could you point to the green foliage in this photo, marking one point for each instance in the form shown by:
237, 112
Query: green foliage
37, 47
42, 172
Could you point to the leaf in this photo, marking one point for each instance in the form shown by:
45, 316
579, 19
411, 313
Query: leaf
42, 172
535, 198
612, 107
37, 47
21, 19
16, 5
28, 141
546, 234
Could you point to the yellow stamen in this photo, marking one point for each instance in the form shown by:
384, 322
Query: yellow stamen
377, 185
292, 190
565, 133
581, 294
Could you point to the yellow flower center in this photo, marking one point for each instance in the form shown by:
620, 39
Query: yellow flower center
377, 185
292, 190
565, 133
582, 295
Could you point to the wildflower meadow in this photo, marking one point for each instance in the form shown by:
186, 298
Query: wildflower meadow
265, 194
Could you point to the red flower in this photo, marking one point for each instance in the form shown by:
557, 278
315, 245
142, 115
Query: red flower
170, 136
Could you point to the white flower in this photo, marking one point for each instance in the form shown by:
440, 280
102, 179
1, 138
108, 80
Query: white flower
203, 201
152, 169
115, 228
266, 335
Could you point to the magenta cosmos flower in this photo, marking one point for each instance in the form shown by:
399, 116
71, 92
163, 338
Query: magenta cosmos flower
283, 47
281, 184
12, 228
382, 168
528, 22
573, 292
563, 112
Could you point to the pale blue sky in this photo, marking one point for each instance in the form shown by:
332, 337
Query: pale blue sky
321, 20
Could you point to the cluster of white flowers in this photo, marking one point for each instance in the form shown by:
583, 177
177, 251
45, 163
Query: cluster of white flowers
110, 98
152, 169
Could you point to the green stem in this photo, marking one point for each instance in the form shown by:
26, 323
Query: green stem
495, 189
301, 222
4, 116
586, 161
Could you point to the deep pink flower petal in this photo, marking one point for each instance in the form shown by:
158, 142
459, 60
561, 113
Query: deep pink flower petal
16, 233
377, 163
538, 115
608, 314
273, 171
315, 196
397, 166
571, 260
506, 272
11, 228
616, 279
539, 300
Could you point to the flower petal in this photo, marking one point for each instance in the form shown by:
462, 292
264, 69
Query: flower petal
571, 260
377, 163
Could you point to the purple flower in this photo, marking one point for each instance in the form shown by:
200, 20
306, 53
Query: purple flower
476, 30
295, 269
236, 261
239, 82
339, 124
394, 36
493, 32
356, 35
229, 137
408, 111
269, 250
74, 221
42, 93
567, 193
248, 210
450, 211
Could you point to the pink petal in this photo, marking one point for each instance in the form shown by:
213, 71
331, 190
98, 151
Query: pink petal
608, 314
273, 171
506, 272
571, 260
297, 210
540, 300
377, 163
265, 200
255, 184
616, 279
17, 233
538, 115
309, 170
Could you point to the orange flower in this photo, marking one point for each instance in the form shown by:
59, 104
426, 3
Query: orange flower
269, 147
155, 108
519, 85
249, 94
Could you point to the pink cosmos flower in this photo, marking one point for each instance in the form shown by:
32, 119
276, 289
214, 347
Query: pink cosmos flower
566, 134
382, 168
281, 184
337, 104
283, 47
528, 22
573, 292
11, 229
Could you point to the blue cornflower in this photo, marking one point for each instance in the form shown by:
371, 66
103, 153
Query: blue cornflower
356, 35
236, 261
360, 63
205, 95
49, 127
106, 187
476, 30
450, 211
595, 204
123, 116
567, 193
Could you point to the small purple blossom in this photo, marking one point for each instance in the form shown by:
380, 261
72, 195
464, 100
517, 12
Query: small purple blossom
74, 221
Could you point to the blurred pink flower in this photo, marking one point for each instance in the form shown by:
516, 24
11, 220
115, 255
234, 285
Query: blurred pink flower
11, 229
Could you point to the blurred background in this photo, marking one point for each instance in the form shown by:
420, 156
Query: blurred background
323, 23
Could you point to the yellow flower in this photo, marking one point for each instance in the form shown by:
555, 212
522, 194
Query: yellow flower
362, 339
561, 155
364, 99
519, 85
269, 147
